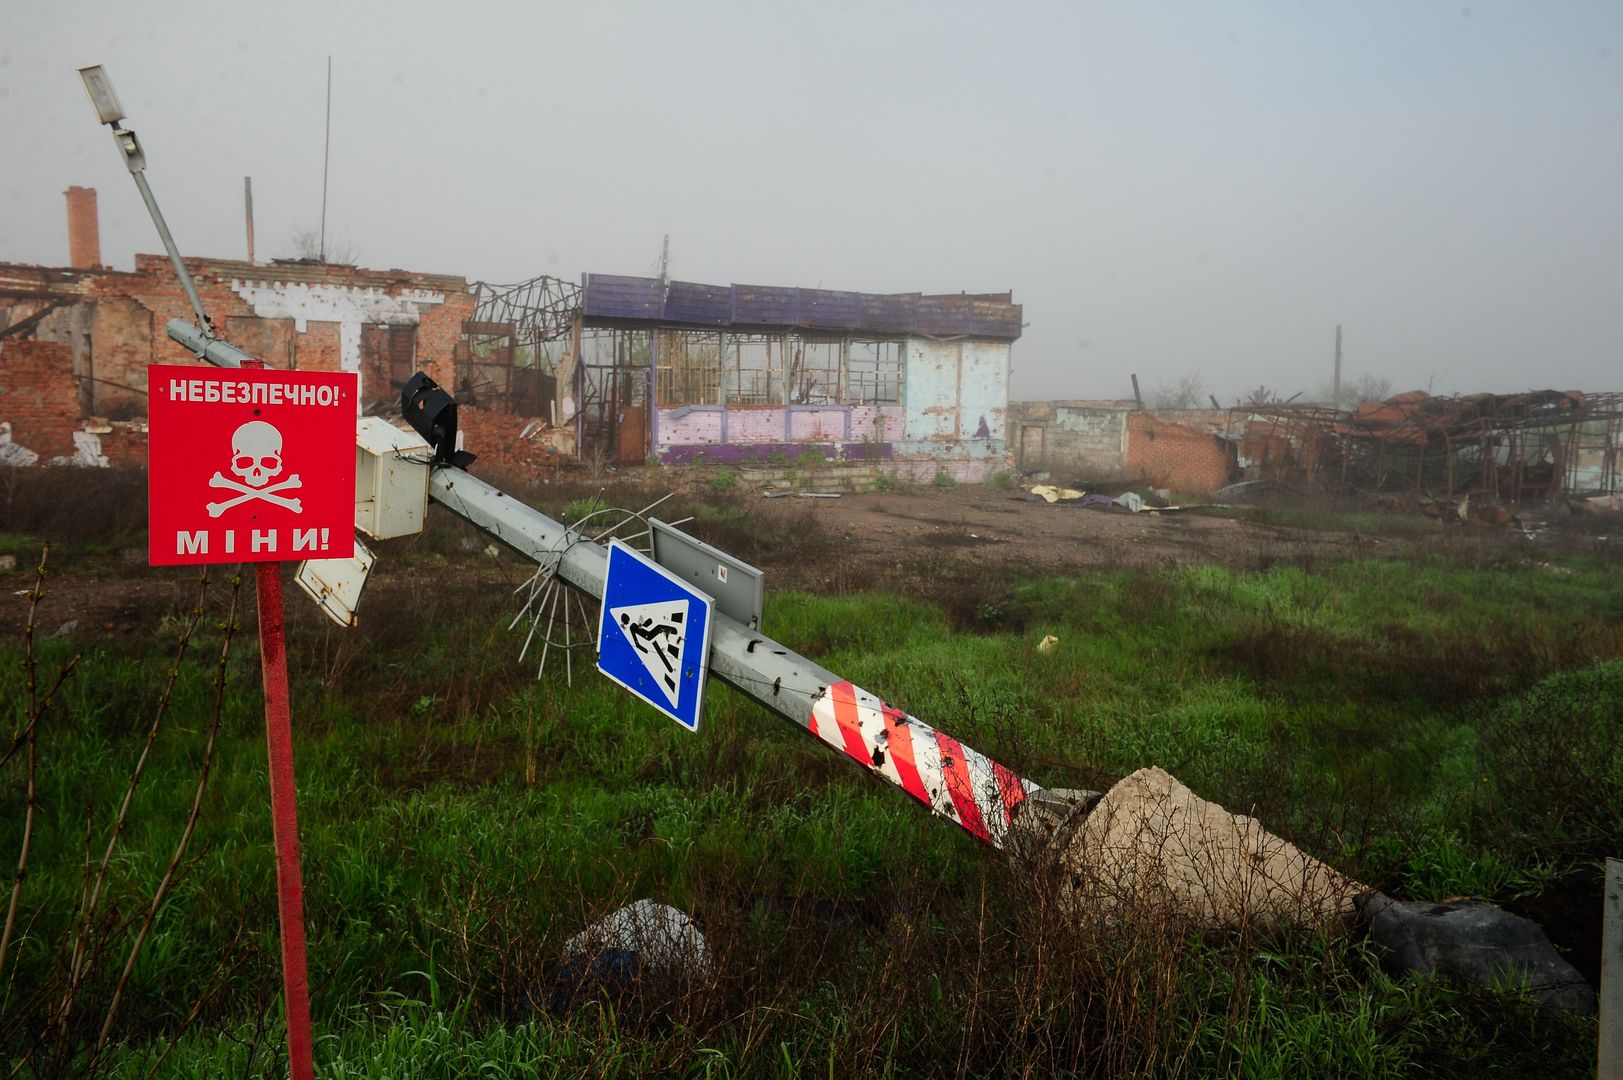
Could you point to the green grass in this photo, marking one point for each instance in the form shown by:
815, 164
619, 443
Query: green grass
24, 548
579, 509
459, 822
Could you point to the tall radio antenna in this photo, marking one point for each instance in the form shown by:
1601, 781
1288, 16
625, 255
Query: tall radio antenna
326, 156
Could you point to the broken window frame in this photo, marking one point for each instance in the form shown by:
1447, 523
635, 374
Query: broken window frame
484, 375
874, 370
688, 368
817, 369
402, 352
708, 368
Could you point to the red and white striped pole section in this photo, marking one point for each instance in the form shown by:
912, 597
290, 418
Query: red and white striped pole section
958, 783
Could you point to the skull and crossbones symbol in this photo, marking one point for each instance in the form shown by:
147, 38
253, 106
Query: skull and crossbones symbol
256, 458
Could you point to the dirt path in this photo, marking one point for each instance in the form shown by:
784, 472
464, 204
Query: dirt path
963, 548
1016, 530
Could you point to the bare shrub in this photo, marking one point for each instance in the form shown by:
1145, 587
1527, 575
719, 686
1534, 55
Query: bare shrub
67, 504
1557, 768
1187, 392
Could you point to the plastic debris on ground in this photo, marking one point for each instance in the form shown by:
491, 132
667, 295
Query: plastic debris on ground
1602, 504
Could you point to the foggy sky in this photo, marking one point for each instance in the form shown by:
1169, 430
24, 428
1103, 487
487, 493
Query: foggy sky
1167, 188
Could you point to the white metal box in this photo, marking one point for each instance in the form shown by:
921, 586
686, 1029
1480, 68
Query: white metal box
391, 479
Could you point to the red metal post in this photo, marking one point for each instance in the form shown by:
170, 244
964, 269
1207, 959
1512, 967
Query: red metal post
284, 820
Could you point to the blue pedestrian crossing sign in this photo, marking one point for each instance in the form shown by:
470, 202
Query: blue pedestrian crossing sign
653, 635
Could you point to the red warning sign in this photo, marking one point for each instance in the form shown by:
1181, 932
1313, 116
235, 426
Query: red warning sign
249, 464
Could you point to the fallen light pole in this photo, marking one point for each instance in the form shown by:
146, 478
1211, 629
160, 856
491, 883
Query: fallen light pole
954, 781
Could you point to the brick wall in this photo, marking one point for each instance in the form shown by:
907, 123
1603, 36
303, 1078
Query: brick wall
121, 349
38, 395
1075, 442
156, 289
439, 325
125, 446
110, 326
271, 340
962, 470
1176, 456
318, 349
438, 333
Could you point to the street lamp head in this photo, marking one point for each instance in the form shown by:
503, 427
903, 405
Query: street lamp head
99, 88
432, 414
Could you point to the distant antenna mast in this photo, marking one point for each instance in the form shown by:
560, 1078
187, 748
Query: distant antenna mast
1335, 402
326, 156
248, 212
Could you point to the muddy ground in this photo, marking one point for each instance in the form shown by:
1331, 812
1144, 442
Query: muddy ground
1016, 532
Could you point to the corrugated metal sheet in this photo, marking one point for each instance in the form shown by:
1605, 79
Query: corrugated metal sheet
703, 305
896, 314
617, 297
609, 299
765, 305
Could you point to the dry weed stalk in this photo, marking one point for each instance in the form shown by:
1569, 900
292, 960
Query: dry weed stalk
162, 891
85, 947
29, 736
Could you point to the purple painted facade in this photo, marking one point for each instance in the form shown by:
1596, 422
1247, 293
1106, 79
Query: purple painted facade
735, 435
770, 453
612, 299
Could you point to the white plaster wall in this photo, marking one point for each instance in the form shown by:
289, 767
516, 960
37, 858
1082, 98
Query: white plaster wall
930, 389
984, 390
347, 305
86, 451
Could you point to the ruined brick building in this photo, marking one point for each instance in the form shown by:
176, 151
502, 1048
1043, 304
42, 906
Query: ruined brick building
75, 342
1529, 447
1117, 444
626, 370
